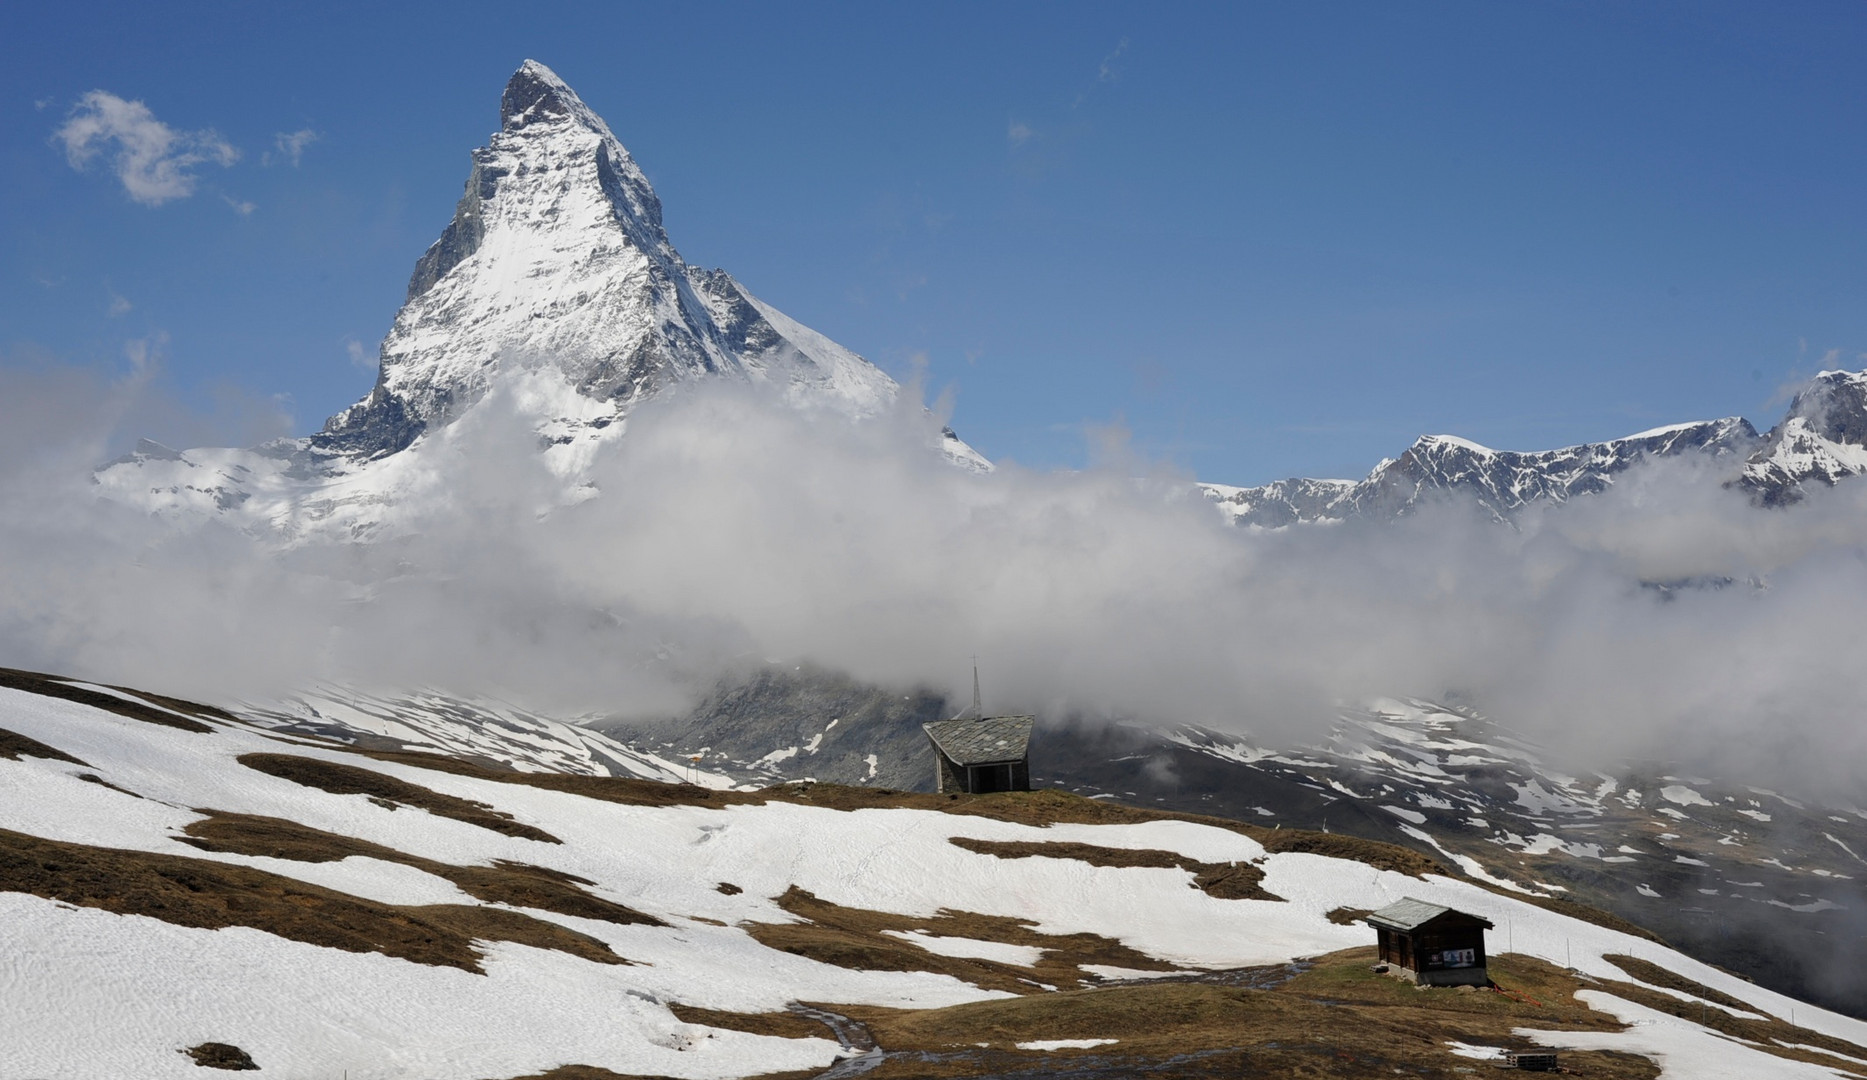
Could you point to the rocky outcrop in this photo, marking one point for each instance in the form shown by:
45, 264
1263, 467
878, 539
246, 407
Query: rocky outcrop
1821, 440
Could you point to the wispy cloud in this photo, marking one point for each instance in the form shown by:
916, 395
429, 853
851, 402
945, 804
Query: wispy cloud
119, 306
242, 207
1106, 72
155, 162
1018, 134
359, 354
146, 353
289, 147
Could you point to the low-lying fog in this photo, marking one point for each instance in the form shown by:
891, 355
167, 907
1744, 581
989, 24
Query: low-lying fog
731, 530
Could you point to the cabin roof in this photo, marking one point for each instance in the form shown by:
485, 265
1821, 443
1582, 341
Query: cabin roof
1410, 914
989, 740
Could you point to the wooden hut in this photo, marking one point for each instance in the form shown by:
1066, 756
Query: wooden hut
1430, 944
990, 753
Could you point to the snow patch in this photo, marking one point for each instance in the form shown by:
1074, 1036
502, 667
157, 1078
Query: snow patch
1064, 1044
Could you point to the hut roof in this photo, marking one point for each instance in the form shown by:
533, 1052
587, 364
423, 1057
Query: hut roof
1410, 914
989, 740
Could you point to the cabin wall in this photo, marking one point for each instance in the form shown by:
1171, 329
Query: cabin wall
947, 776
979, 779
1436, 956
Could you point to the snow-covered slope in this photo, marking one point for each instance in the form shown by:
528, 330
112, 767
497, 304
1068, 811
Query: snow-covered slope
171, 879
556, 280
1756, 881
495, 732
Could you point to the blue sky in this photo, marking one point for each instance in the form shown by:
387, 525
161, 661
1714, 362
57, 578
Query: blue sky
1270, 240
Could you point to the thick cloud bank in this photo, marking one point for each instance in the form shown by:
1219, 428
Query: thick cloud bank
1667, 618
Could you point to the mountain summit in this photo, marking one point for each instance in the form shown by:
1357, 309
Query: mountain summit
556, 257
1822, 438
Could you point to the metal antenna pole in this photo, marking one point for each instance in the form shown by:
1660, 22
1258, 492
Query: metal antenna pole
978, 710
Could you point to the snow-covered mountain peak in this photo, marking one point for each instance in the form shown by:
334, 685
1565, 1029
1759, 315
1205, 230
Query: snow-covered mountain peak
535, 93
1832, 406
1432, 443
556, 258
1822, 437
554, 271
539, 106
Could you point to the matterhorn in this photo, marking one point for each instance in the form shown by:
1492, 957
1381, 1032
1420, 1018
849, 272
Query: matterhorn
555, 264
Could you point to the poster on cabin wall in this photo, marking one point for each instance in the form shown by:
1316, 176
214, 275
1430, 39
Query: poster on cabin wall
1458, 958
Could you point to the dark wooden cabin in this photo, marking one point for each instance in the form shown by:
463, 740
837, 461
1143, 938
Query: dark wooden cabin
1430, 944
991, 753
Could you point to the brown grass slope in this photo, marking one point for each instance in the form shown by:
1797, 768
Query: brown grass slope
339, 779
14, 746
209, 895
503, 882
53, 686
1337, 1019
34, 682
784, 1025
855, 938
1224, 881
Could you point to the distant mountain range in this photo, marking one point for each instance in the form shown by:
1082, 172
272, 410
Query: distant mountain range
1820, 441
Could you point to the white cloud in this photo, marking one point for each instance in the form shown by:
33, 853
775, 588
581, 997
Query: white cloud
242, 207
359, 354
289, 146
1018, 134
155, 162
119, 306
730, 527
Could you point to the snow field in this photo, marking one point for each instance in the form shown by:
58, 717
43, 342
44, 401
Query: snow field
97, 993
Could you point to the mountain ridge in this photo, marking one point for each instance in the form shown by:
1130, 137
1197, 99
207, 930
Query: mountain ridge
1821, 440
